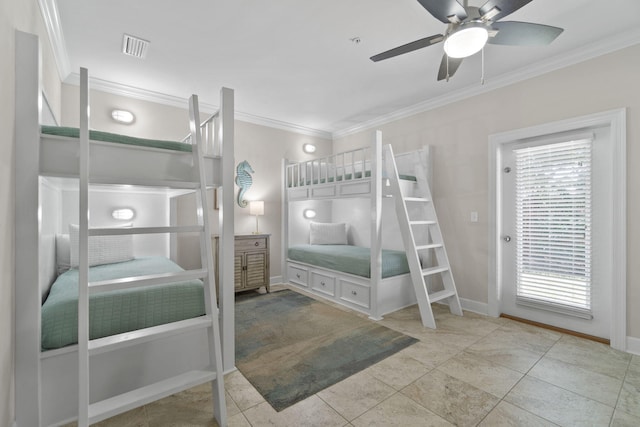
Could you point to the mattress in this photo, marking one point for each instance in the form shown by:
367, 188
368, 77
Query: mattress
349, 259
118, 311
95, 135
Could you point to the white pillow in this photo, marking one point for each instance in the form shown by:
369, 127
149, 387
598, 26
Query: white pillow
63, 253
327, 233
102, 249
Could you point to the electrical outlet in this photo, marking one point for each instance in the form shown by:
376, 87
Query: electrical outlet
474, 216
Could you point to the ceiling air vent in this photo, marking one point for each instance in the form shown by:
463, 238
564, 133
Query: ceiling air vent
134, 46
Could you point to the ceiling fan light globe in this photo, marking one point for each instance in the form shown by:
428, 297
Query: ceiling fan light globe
466, 41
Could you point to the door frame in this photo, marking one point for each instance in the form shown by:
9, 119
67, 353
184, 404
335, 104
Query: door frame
616, 121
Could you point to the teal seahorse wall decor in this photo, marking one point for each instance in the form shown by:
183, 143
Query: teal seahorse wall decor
244, 181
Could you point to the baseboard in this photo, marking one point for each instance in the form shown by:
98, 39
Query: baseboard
275, 280
475, 306
633, 345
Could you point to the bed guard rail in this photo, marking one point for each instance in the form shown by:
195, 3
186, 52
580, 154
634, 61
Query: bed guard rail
210, 136
346, 166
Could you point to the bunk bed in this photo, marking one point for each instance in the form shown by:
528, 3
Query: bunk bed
47, 355
351, 252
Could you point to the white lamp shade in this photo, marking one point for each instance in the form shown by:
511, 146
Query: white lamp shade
256, 207
466, 41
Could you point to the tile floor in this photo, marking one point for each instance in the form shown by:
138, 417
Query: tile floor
471, 371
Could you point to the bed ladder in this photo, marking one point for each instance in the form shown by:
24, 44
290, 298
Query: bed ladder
417, 219
89, 412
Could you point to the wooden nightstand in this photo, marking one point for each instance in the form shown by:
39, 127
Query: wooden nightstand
251, 263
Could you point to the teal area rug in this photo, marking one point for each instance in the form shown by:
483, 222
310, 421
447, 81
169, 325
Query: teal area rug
290, 346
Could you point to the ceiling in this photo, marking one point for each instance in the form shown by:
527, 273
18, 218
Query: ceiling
294, 62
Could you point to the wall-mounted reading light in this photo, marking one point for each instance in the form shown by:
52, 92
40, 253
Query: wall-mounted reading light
309, 213
123, 116
309, 148
123, 214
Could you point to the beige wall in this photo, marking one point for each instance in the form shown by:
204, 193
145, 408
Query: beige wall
459, 134
23, 15
153, 120
264, 148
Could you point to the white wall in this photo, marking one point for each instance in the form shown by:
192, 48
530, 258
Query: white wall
299, 225
151, 210
459, 135
25, 16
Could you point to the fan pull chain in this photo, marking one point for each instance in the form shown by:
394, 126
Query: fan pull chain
447, 68
482, 76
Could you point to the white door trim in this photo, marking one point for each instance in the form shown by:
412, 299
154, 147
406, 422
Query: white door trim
616, 121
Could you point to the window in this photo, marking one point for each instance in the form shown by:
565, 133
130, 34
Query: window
553, 210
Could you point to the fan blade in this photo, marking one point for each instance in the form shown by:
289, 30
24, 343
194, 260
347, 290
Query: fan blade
523, 34
442, 9
506, 7
409, 47
454, 63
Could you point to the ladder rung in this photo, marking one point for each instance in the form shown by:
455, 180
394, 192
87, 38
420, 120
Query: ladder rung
160, 183
434, 270
148, 280
416, 199
429, 246
440, 295
144, 230
422, 222
127, 339
133, 399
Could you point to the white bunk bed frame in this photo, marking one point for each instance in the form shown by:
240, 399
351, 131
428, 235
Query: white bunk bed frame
313, 180
46, 382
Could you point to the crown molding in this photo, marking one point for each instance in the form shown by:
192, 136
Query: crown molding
51, 18
591, 51
176, 101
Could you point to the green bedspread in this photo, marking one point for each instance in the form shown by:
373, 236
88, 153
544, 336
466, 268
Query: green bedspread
95, 135
349, 259
118, 311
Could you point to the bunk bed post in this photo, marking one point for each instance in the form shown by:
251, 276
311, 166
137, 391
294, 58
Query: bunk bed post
83, 256
226, 289
428, 162
376, 222
206, 261
27, 225
284, 222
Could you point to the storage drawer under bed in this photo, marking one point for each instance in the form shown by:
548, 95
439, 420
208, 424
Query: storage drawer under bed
355, 294
323, 283
297, 275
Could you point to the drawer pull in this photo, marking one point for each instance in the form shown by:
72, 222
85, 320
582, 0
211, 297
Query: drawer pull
354, 293
322, 283
257, 243
298, 275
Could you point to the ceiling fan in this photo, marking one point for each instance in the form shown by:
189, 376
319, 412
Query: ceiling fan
470, 28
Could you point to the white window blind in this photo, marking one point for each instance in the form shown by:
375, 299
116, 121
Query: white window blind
553, 213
